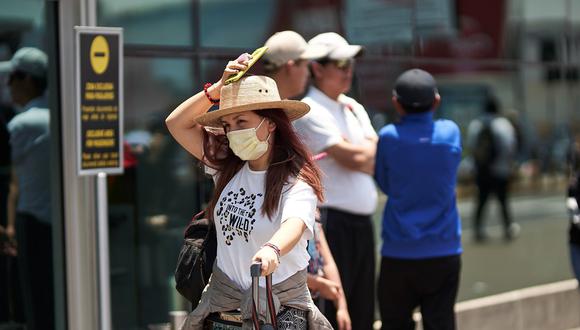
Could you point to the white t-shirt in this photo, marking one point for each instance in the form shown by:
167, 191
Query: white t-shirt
242, 228
328, 123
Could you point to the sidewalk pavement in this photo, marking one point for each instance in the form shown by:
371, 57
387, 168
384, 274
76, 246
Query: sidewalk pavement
538, 256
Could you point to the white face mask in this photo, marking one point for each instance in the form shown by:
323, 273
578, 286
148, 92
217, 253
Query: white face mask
245, 143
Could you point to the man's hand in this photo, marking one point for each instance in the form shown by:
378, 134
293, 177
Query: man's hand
343, 319
10, 232
356, 157
7, 242
328, 289
10, 249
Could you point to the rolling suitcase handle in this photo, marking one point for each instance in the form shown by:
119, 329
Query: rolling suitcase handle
271, 324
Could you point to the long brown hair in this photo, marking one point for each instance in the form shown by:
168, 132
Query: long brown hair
290, 159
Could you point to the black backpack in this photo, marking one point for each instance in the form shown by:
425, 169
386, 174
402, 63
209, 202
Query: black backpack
486, 150
196, 258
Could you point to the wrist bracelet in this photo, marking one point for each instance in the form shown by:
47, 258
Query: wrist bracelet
273, 247
205, 87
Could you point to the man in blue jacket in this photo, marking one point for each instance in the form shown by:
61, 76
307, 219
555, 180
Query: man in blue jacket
416, 166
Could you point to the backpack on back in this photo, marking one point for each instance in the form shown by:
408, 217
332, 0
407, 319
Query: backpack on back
486, 150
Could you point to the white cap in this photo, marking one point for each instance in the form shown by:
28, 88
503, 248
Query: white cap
289, 45
337, 48
27, 60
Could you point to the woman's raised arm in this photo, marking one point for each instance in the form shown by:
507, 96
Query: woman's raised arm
181, 122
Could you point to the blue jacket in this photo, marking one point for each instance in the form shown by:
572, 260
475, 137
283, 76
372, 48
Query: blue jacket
416, 167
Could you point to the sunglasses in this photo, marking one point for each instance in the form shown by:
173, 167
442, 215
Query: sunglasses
343, 64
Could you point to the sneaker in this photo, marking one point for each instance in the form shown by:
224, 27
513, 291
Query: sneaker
480, 237
513, 231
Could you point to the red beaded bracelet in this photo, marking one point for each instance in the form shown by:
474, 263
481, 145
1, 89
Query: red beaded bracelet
205, 87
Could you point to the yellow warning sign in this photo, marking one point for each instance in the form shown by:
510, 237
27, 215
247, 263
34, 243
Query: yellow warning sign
99, 54
99, 100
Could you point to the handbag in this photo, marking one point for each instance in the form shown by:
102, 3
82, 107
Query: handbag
196, 258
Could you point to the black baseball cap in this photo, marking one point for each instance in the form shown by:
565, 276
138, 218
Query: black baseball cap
415, 88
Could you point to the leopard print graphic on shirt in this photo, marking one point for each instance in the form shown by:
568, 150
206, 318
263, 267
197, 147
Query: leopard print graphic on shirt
236, 211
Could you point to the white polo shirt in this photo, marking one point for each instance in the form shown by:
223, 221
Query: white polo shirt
328, 123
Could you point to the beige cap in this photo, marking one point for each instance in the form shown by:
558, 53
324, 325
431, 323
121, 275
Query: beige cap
336, 47
252, 93
289, 45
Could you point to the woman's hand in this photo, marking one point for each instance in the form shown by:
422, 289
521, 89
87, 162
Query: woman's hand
343, 319
233, 67
269, 259
182, 122
328, 289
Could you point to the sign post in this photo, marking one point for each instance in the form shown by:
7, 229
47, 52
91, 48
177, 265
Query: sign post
99, 89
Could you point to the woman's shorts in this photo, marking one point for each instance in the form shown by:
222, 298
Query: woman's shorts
288, 319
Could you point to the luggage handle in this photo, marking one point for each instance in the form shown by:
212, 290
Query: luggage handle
271, 324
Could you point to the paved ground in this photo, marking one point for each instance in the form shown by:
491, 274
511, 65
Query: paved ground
538, 256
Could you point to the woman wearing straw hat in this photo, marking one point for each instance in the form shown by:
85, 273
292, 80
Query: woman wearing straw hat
266, 191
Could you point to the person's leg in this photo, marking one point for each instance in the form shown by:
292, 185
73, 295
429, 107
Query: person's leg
339, 241
575, 259
16, 299
396, 295
511, 229
351, 241
5, 285
483, 187
35, 260
25, 244
362, 295
44, 285
439, 292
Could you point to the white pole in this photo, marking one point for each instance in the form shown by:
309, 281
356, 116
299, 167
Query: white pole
104, 273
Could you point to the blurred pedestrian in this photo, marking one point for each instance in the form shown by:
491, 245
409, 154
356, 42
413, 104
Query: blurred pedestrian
11, 307
287, 61
492, 141
28, 206
572, 205
416, 167
339, 127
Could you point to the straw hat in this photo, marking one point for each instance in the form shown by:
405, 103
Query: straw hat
252, 93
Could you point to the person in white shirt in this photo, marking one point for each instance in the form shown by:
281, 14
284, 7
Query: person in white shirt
29, 199
287, 61
266, 190
338, 131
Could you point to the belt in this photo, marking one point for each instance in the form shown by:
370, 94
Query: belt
223, 320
